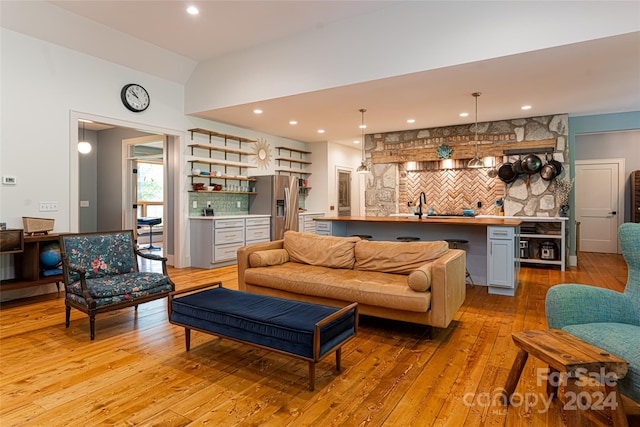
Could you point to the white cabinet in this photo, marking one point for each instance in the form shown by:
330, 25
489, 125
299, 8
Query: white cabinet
257, 230
306, 222
215, 242
501, 260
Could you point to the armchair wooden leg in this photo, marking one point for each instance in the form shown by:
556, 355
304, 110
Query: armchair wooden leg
92, 326
67, 316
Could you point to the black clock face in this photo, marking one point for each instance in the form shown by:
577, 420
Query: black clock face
135, 97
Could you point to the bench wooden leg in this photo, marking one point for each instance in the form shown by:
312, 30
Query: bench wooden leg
312, 376
572, 414
187, 338
338, 358
618, 416
514, 376
552, 388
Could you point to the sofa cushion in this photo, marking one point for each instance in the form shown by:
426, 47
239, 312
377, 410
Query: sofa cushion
325, 251
420, 279
268, 257
396, 257
620, 339
364, 287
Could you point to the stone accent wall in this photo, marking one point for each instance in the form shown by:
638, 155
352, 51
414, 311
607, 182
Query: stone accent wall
390, 185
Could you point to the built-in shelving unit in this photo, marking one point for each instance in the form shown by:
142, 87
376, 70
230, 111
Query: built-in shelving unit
222, 170
294, 164
554, 231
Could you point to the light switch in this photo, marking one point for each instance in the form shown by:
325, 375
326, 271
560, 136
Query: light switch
84, 203
195, 204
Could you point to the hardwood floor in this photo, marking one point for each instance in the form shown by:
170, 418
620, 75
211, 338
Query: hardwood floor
137, 371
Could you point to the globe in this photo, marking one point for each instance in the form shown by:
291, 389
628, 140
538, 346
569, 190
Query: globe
50, 255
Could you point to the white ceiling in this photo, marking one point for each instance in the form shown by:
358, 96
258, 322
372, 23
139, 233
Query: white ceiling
593, 77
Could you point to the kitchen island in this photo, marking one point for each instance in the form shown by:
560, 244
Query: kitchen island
491, 250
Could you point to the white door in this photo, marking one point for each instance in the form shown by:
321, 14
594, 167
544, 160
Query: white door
597, 191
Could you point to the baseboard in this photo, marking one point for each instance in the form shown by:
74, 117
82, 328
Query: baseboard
573, 260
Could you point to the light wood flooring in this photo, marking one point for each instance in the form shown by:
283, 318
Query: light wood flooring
137, 371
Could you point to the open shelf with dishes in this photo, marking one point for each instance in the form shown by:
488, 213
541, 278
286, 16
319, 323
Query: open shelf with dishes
224, 172
294, 162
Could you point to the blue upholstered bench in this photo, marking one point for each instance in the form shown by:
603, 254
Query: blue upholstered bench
298, 329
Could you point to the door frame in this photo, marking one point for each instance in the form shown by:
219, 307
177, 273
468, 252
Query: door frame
621, 182
180, 226
129, 219
338, 171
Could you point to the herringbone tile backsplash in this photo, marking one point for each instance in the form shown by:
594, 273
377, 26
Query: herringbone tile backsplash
451, 190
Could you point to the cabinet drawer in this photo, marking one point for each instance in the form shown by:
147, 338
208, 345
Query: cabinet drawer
227, 223
226, 252
228, 235
323, 226
501, 233
258, 233
250, 222
309, 228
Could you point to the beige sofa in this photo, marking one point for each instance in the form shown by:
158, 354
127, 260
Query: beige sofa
418, 282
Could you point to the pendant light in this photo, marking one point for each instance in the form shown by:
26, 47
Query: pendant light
363, 168
476, 163
84, 146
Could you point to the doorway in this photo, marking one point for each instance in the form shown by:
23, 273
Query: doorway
144, 175
344, 192
108, 186
599, 209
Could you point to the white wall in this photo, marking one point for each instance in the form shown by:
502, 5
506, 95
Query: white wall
400, 39
612, 145
324, 178
45, 88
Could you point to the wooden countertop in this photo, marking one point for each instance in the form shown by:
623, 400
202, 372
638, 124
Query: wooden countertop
426, 220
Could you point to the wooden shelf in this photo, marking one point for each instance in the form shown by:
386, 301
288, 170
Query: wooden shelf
224, 136
222, 149
232, 177
540, 236
222, 192
302, 162
219, 162
27, 264
295, 150
296, 171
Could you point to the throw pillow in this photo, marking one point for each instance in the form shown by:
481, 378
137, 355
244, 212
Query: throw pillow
268, 257
420, 279
324, 251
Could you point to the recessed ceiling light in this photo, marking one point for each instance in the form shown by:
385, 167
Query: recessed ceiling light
464, 114
411, 121
355, 141
192, 10
257, 111
362, 126
293, 122
526, 107
320, 130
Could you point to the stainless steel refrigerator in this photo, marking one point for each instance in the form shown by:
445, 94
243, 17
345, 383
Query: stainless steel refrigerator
277, 195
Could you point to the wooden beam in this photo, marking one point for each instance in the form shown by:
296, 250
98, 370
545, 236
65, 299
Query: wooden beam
461, 151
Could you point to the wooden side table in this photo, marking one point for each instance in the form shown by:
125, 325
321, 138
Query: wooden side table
572, 359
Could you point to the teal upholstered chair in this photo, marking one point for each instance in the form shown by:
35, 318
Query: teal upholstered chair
604, 318
100, 272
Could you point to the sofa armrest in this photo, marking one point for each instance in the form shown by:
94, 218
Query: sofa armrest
574, 304
243, 257
448, 286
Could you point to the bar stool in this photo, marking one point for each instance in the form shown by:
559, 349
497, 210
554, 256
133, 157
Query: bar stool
362, 236
453, 244
407, 239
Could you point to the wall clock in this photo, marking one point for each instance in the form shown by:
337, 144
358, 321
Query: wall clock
135, 97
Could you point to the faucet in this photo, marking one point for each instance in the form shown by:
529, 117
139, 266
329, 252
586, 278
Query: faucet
422, 200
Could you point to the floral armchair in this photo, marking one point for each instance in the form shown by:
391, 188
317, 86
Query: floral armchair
100, 273
605, 318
